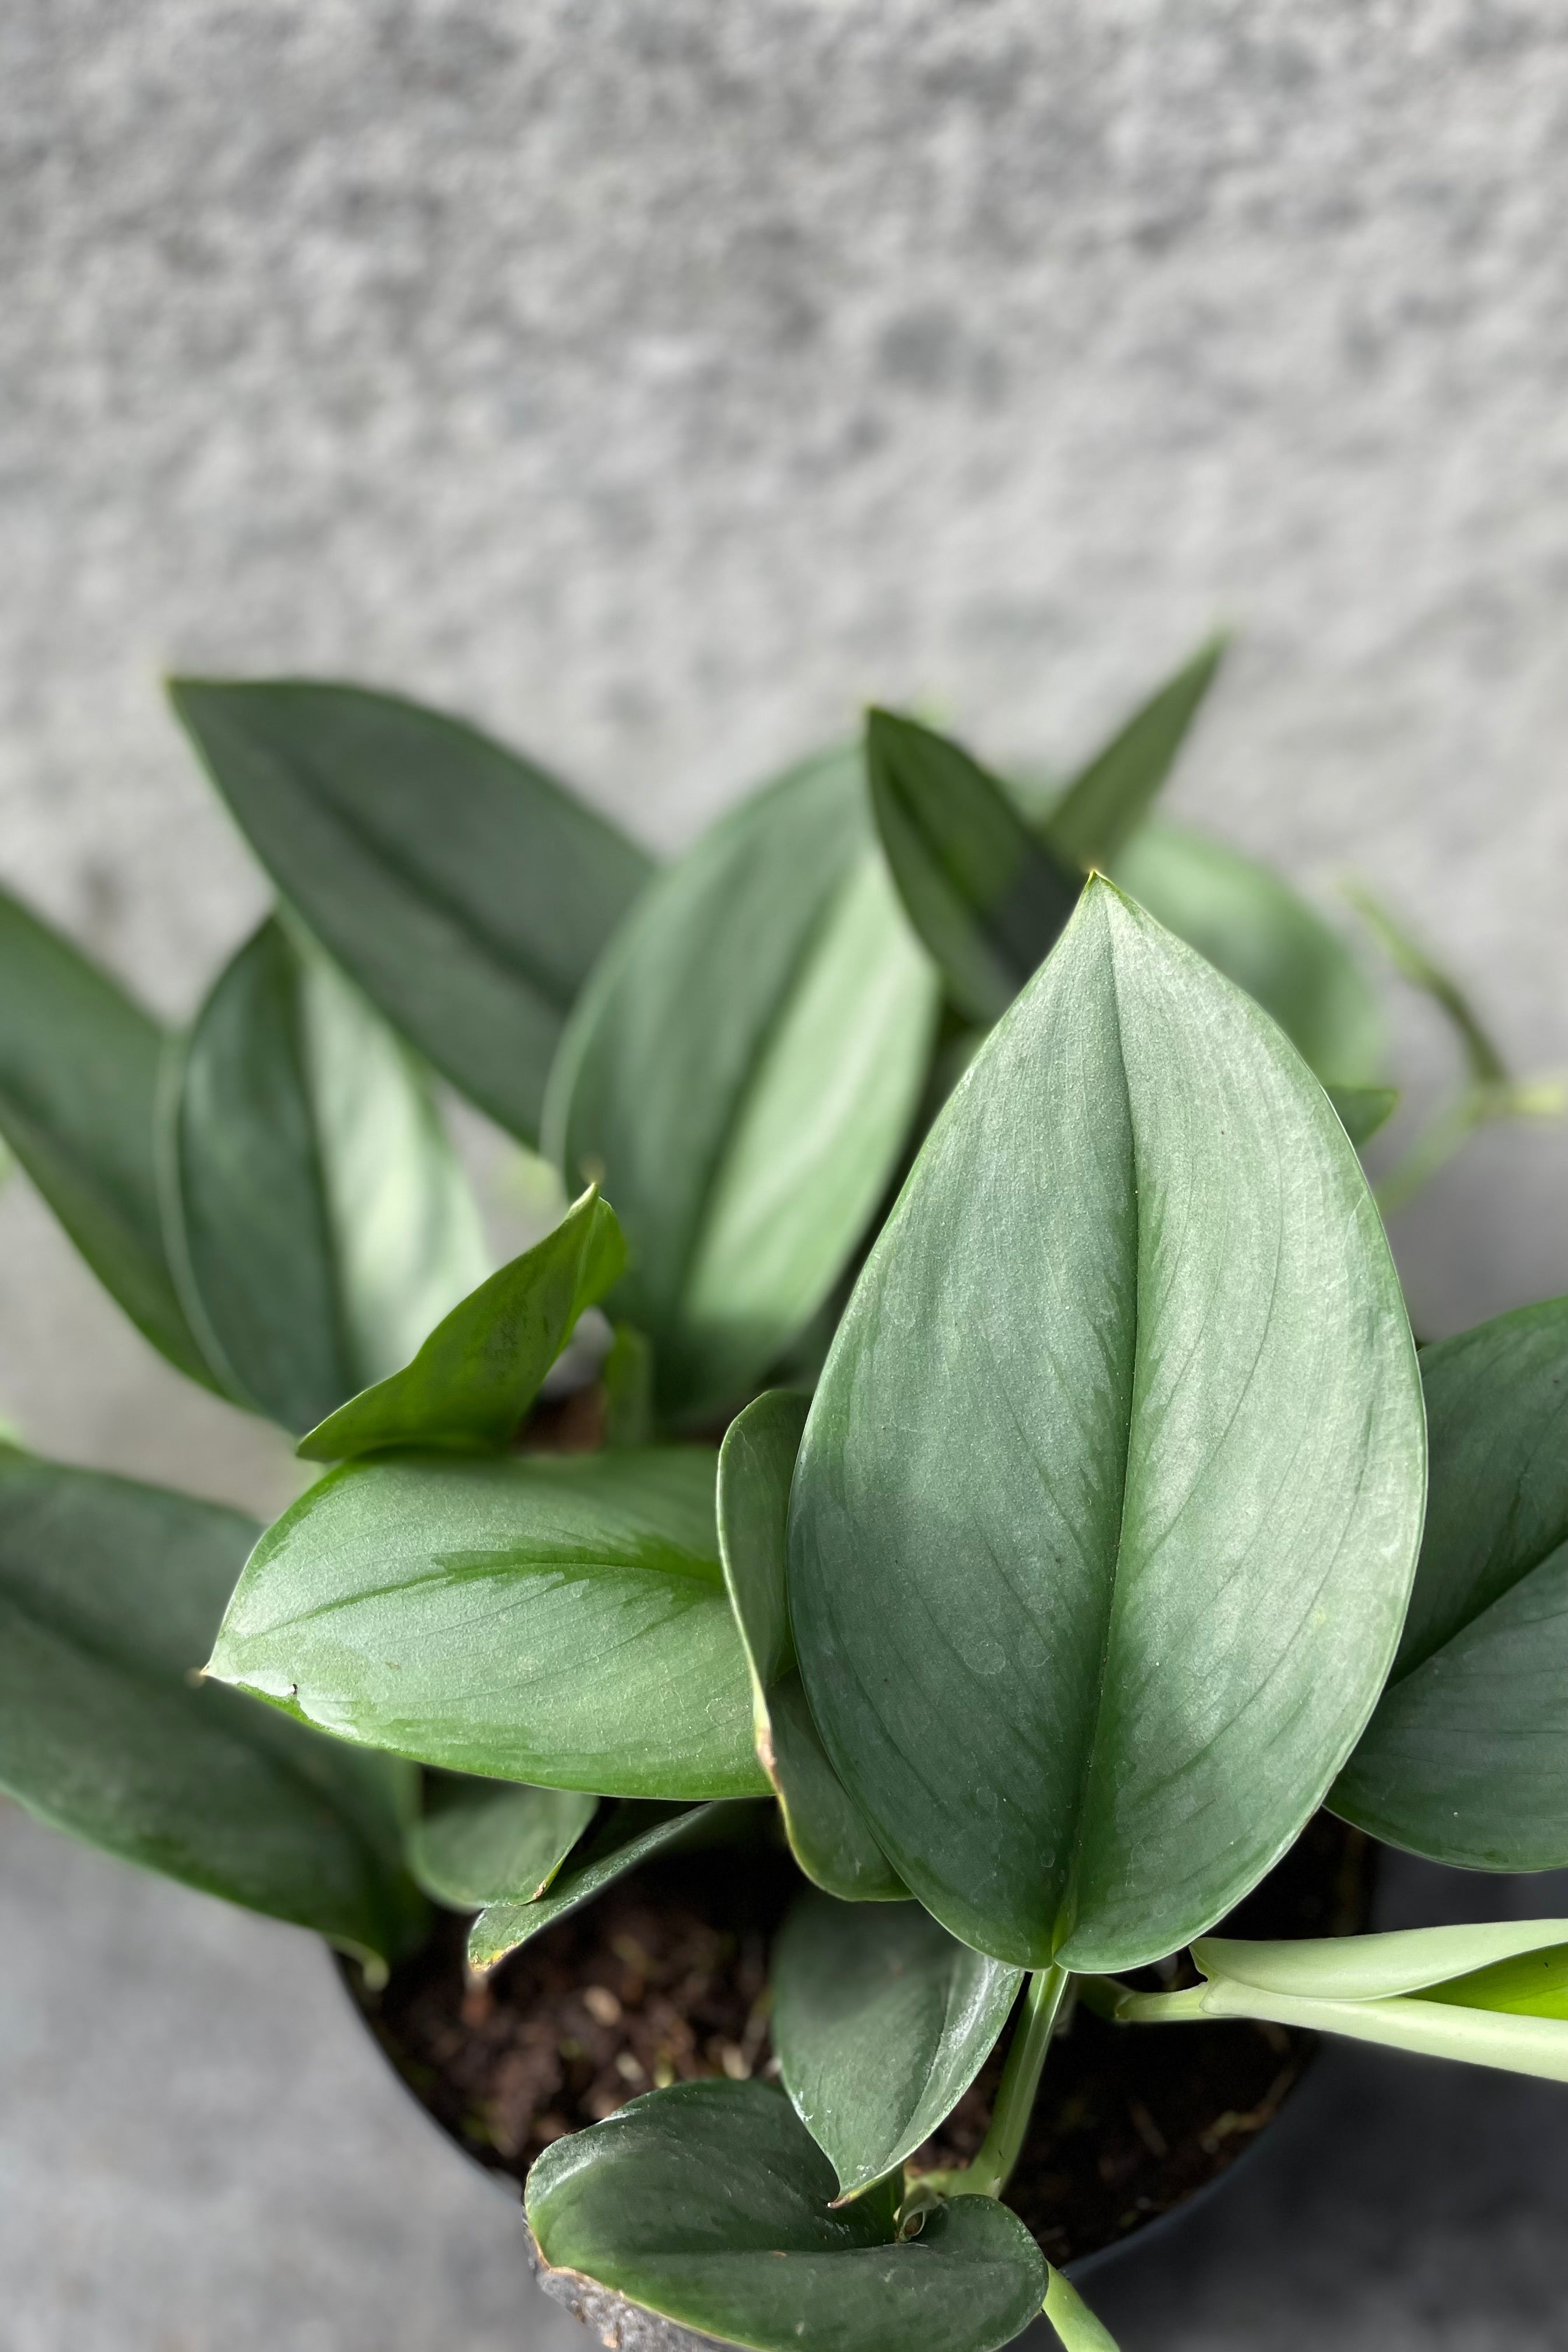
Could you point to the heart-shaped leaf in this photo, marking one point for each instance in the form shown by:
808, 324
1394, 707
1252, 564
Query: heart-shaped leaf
479, 1841
741, 1075
1466, 1759
750, 2252
78, 1085
882, 2022
481, 1368
324, 1220
828, 1834
109, 1594
1107, 801
466, 890
986, 896
1255, 929
555, 1620
1107, 1510
627, 1834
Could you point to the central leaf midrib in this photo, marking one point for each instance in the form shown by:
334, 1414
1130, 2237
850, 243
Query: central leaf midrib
458, 1569
1067, 1915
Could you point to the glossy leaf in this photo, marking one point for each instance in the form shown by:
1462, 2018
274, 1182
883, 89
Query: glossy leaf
880, 2022
479, 1841
1108, 1506
749, 2251
1364, 1109
79, 1069
626, 1835
1466, 1759
109, 1594
828, 1834
985, 895
741, 1075
481, 1368
1107, 801
324, 1222
1255, 929
465, 890
555, 1620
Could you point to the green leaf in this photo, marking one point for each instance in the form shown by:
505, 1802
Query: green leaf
1108, 801
749, 2251
466, 890
1364, 1109
324, 1220
1527, 1984
1077, 2329
987, 897
828, 1834
481, 1368
1466, 1759
882, 2022
481, 1842
555, 1620
1107, 1510
626, 1835
1253, 926
109, 1594
78, 1086
741, 1075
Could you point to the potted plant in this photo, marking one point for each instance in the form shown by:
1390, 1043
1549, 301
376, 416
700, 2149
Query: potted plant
834, 1632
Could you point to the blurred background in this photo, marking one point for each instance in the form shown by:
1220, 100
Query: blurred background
655, 383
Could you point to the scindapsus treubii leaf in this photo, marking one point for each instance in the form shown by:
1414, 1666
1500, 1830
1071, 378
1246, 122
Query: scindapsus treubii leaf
1107, 1510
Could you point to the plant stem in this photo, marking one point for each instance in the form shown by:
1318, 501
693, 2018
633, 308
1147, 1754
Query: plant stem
992, 2167
1456, 1122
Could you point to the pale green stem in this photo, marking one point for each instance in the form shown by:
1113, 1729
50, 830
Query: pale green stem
1077, 2326
1454, 1125
992, 2169
1515, 2042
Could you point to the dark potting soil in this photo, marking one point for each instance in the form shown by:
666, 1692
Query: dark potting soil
665, 1979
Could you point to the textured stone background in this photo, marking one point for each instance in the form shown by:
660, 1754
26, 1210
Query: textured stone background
655, 382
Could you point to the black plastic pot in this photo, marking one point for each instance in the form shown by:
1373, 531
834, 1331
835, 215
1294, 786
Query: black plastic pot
1342, 1862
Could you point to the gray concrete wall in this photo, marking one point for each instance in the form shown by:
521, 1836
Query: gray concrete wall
657, 383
